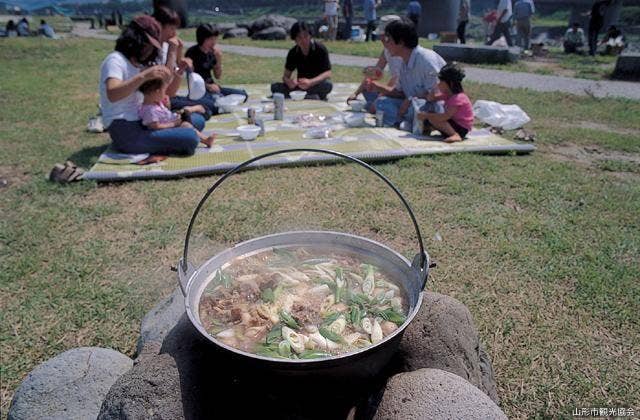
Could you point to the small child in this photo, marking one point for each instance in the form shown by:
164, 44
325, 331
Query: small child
457, 119
156, 116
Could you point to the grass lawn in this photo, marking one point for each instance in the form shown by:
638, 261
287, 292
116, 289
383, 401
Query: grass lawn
543, 248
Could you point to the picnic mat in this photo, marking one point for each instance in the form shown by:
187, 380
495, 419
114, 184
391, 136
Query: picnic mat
368, 142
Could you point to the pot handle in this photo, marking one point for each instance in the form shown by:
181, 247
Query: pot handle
420, 262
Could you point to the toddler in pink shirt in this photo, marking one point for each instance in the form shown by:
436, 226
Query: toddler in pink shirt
457, 119
156, 116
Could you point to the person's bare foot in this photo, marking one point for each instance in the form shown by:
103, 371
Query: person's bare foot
209, 140
454, 138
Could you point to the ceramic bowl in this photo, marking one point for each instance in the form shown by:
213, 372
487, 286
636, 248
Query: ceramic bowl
229, 102
248, 132
298, 95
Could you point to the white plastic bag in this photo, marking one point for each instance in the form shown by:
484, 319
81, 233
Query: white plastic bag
197, 88
508, 117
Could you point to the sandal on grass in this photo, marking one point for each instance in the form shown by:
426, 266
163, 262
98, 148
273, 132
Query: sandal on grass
525, 135
69, 172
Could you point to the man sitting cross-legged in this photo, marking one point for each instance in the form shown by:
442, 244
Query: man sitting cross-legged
418, 75
311, 60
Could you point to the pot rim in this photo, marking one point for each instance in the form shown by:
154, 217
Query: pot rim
193, 317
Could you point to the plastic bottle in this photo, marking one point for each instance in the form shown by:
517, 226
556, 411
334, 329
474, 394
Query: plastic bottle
278, 106
418, 125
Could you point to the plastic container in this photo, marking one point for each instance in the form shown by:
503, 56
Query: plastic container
248, 132
298, 95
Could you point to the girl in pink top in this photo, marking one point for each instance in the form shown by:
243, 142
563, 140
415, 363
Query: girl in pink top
457, 119
156, 116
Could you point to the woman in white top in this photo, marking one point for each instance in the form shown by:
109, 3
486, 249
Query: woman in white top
121, 74
376, 73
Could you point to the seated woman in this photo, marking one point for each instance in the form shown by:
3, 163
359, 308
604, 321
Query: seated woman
376, 72
172, 56
122, 73
614, 41
206, 57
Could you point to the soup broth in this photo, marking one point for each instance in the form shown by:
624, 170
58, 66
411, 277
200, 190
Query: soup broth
301, 303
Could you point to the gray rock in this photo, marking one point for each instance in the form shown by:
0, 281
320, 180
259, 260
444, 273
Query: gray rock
273, 33
268, 21
236, 33
627, 66
150, 390
435, 394
161, 319
467, 53
443, 336
225, 26
72, 385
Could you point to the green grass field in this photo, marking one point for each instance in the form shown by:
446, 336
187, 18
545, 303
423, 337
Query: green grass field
542, 248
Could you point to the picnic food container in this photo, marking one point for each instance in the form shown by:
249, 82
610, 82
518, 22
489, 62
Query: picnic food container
230, 102
298, 95
357, 105
363, 364
354, 119
248, 132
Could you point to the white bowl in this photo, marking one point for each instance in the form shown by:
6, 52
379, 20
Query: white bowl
357, 105
248, 132
229, 102
318, 133
298, 95
354, 119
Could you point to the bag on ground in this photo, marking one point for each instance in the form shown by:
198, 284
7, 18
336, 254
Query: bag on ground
508, 117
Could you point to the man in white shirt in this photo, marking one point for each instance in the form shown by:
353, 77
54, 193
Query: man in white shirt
418, 75
503, 24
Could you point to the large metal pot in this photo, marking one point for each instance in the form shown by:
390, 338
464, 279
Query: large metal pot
359, 365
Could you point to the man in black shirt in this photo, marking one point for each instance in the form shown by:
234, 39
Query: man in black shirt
311, 60
598, 10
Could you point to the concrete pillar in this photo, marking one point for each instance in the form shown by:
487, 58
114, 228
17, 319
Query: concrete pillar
438, 16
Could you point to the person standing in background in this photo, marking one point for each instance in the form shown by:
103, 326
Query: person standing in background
505, 12
347, 12
369, 7
331, 15
414, 10
522, 11
463, 19
596, 21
